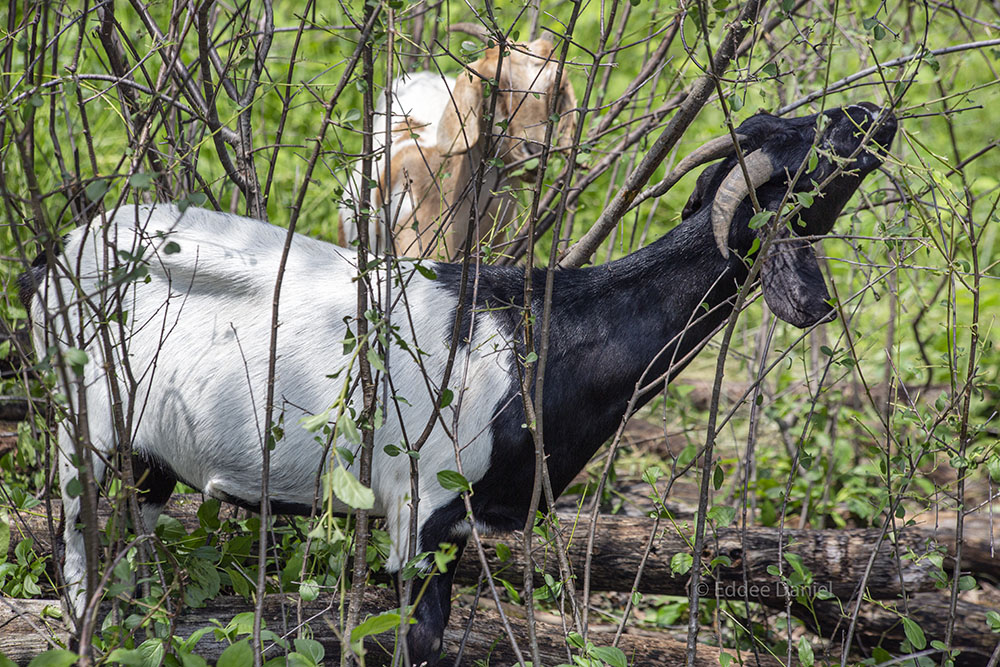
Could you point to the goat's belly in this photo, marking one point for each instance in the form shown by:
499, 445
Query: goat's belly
202, 407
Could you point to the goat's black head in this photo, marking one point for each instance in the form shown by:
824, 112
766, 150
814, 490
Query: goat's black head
851, 143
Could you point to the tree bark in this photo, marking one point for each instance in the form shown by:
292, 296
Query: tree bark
883, 627
836, 558
25, 631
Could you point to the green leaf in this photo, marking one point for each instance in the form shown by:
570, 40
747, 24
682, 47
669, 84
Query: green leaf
349, 429
171, 248
725, 659
352, 492
192, 199
724, 561
311, 648
515, 597
56, 657
375, 360
76, 358
687, 455
452, 480
769, 69
309, 590
610, 655
760, 219
95, 191
813, 160
966, 582
426, 271
375, 625
74, 488
4, 534
718, 477
881, 656
531, 358
503, 552
735, 102
238, 655
805, 652
722, 515
447, 396
680, 562
914, 634
141, 180
208, 514
313, 423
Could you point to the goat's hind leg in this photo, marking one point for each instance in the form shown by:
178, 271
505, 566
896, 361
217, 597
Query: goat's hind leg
154, 482
73, 547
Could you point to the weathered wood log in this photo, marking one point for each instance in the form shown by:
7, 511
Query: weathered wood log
836, 558
841, 554
13, 408
26, 630
881, 626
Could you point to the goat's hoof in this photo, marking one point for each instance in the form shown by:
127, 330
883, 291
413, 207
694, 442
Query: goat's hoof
424, 646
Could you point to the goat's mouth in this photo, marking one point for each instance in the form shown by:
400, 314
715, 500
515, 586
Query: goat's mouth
866, 119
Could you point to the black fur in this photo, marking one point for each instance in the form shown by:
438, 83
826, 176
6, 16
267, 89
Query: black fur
633, 320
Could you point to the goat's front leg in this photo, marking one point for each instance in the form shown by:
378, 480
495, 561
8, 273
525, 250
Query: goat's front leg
432, 597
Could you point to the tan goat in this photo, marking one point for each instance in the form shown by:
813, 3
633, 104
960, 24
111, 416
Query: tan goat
437, 146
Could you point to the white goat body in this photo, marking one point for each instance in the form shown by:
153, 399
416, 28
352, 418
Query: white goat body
197, 339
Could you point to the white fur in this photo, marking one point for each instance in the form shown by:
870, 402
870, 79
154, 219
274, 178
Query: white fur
430, 187
419, 99
200, 407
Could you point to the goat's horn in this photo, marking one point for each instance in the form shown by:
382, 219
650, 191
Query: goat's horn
712, 150
734, 190
473, 29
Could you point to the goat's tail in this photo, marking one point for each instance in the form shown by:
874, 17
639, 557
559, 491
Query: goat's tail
29, 281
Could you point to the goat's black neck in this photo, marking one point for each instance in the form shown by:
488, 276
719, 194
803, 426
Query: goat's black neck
613, 327
628, 323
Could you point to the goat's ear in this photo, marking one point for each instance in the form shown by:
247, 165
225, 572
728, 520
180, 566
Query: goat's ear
458, 129
701, 186
793, 283
566, 130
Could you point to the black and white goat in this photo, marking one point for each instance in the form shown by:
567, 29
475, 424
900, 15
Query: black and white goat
197, 331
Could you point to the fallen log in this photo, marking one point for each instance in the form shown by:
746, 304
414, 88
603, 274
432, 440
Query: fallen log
841, 554
883, 626
27, 628
836, 559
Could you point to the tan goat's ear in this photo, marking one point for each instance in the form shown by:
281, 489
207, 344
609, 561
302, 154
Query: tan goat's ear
458, 130
566, 131
540, 48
